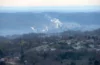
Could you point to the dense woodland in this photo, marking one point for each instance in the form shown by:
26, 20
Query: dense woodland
64, 48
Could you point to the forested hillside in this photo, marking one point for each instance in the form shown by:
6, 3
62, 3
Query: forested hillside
65, 48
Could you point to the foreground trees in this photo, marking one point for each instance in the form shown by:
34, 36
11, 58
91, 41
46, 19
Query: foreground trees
2, 62
62, 49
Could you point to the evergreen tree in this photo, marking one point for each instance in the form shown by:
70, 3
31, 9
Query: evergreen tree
1, 54
2, 63
22, 52
72, 63
96, 62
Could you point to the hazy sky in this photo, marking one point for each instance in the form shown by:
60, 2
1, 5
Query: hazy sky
55, 5
49, 2
45, 5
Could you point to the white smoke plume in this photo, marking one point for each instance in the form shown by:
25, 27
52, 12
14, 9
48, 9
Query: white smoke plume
62, 26
34, 30
45, 29
57, 22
